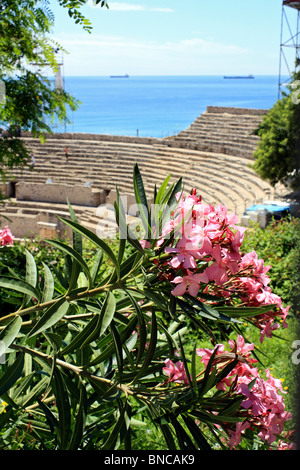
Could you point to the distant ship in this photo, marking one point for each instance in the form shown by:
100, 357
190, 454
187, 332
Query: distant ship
240, 76
119, 76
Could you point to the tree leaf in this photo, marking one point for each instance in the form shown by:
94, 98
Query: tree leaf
107, 312
109, 351
9, 333
141, 199
19, 286
162, 190
77, 434
118, 348
150, 350
12, 374
141, 326
77, 239
64, 411
86, 335
187, 372
96, 265
167, 433
184, 440
48, 290
122, 422
94, 239
125, 232
31, 272
196, 433
52, 315
76, 256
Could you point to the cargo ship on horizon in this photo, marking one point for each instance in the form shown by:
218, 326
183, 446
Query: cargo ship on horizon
120, 76
239, 76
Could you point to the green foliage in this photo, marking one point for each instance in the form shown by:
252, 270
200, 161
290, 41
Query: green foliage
277, 157
86, 344
31, 101
278, 243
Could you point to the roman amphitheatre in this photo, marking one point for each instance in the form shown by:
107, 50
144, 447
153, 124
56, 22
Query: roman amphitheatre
213, 155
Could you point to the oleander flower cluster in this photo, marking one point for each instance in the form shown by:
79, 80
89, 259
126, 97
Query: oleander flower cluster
6, 237
263, 399
207, 258
262, 404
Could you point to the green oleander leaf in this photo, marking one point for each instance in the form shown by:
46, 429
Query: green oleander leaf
52, 315
9, 333
94, 239
11, 375
19, 286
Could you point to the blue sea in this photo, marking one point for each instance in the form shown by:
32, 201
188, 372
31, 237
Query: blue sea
158, 106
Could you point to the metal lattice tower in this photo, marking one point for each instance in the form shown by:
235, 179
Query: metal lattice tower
289, 42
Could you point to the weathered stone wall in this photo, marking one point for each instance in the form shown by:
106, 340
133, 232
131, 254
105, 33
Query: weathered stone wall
59, 193
101, 137
44, 224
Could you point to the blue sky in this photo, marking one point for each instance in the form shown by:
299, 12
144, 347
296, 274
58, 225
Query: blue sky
173, 37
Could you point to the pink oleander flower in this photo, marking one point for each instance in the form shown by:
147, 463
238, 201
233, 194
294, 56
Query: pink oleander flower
189, 283
263, 400
6, 237
175, 372
285, 446
236, 435
145, 244
186, 252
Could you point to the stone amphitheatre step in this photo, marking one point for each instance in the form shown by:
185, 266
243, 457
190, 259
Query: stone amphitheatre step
83, 166
145, 165
233, 129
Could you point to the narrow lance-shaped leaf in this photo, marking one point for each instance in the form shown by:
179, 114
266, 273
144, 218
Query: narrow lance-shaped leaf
142, 327
196, 433
109, 351
54, 313
77, 246
193, 370
184, 440
107, 312
160, 193
80, 418
187, 373
64, 411
141, 199
118, 348
124, 230
150, 350
31, 273
30, 396
51, 419
19, 286
122, 421
9, 333
77, 239
94, 239
76, 256
168, 436
12, 374
96, 265
48, 290
87, 334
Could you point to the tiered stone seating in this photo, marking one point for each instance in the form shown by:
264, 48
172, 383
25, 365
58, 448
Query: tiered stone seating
102, 162
224, 130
